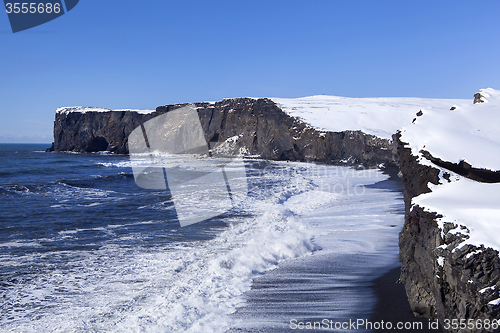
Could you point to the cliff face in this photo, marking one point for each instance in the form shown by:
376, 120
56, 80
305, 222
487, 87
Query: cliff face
263, 129
442, 279
450, 263
95, 131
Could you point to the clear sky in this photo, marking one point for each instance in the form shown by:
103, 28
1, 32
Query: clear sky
142, 54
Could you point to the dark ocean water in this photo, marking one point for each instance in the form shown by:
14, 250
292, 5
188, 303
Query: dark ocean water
84, 249
45, 194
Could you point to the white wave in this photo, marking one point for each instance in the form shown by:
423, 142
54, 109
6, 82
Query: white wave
65, 193
68, 232
195, 286
124, 164
14, 244
91, 205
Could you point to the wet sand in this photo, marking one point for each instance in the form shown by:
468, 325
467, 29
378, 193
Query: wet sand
392, 304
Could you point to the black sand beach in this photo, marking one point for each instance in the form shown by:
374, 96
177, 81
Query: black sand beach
392, 302
392, 305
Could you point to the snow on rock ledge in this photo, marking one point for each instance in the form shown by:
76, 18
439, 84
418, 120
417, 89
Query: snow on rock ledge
85, 109
468, 203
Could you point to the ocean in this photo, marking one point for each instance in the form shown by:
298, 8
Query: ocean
84, 249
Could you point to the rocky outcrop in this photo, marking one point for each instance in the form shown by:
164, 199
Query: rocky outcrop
441, 280
465, 169
262, 127
95, 131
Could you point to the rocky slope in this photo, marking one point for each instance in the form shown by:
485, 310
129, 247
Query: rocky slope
262, 128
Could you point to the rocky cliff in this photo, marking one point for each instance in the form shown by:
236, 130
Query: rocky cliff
447, 275
262, 128
453, 290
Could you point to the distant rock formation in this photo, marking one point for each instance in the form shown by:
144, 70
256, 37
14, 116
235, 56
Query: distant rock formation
261, 127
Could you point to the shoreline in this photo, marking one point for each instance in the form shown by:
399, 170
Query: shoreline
392, 304
391, 300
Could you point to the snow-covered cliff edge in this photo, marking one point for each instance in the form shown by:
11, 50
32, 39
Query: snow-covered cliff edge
449, 244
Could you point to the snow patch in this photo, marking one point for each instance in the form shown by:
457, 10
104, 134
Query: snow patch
495, 302
482, 291
85, 109
233, 139
472, 253
466, 132
440, 261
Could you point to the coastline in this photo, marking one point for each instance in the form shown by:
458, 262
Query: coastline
392, 303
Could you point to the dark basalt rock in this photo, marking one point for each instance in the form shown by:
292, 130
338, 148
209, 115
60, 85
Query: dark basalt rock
450, 291
478, 98
465, 169
264, 128
96, 131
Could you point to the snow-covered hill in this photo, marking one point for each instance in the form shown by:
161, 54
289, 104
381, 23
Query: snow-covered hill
377, 116
470, 133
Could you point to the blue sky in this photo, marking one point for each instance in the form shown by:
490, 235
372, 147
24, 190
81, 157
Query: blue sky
142, 54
